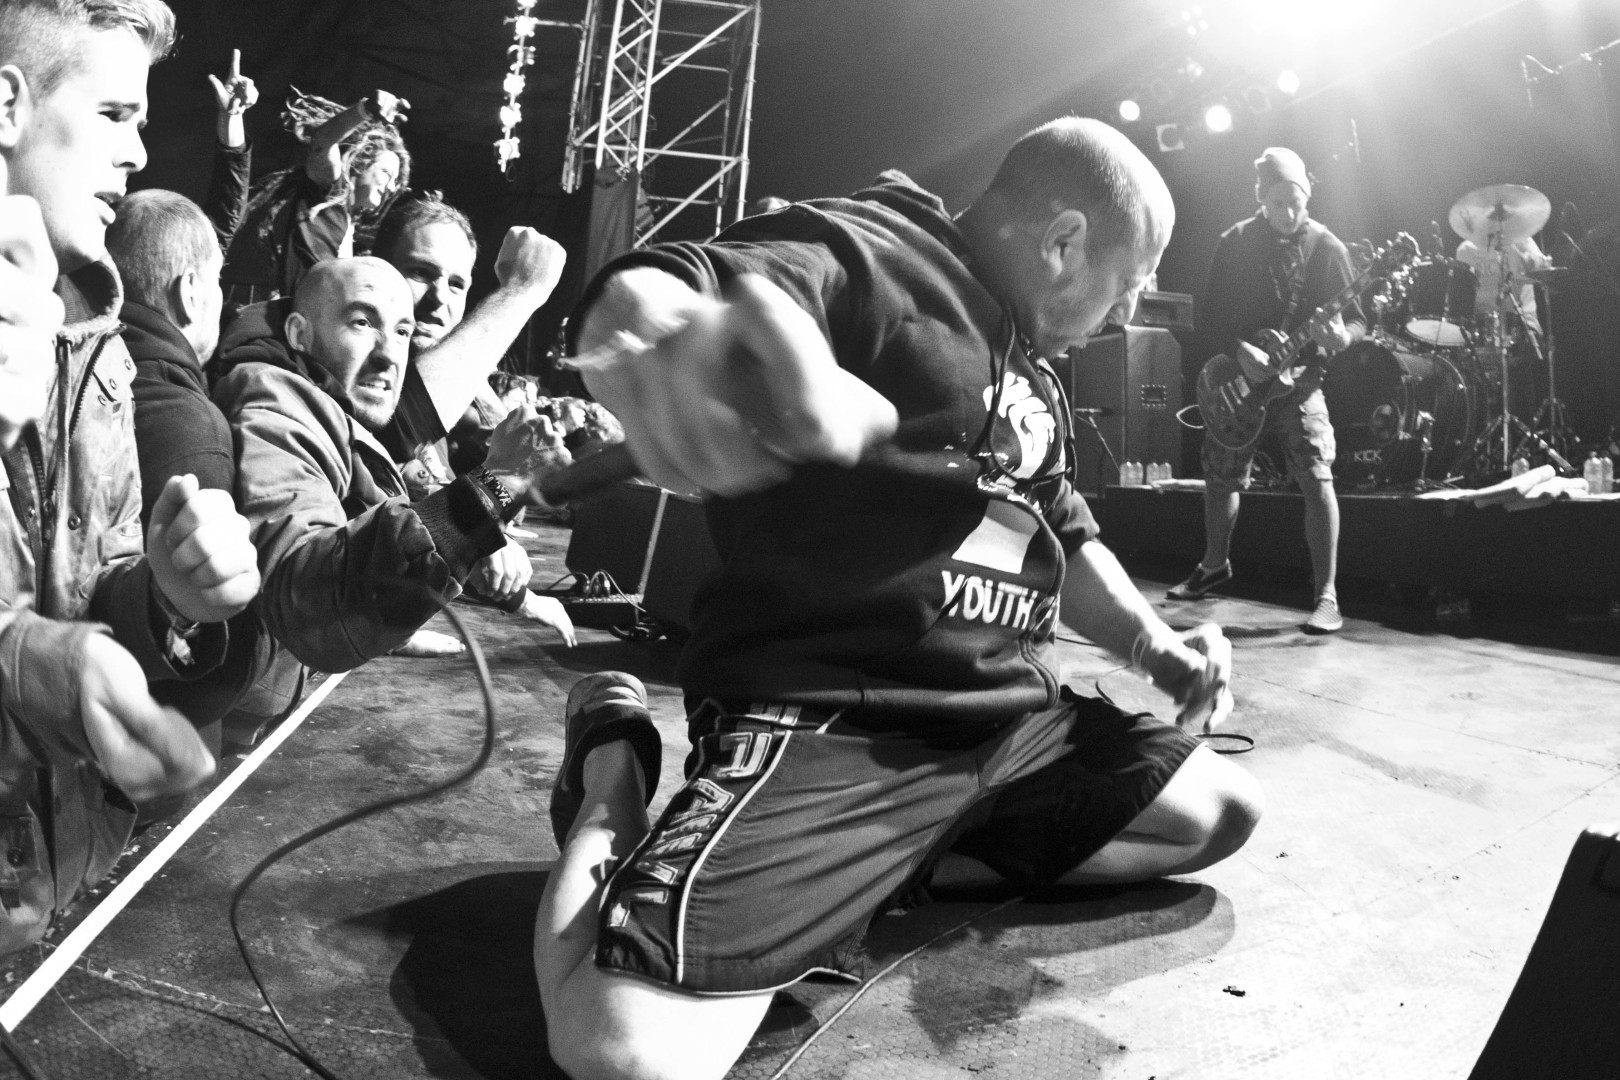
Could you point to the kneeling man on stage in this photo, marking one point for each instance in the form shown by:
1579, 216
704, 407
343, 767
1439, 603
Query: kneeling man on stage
859, 386
1272, 272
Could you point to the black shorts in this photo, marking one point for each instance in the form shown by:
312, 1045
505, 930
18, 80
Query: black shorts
793, 830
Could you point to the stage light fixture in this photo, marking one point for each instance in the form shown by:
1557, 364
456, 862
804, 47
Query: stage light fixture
1218, 118
1130, 111
1169, 136
1288, 81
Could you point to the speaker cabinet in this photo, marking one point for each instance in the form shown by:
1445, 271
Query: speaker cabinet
615, 531
683, 558
1132, 375
1563, 1018
653, 544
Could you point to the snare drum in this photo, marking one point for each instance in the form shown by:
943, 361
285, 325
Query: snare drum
1382, 401
1439, 305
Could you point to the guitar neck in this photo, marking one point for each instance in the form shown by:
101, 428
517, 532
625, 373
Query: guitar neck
1302, 335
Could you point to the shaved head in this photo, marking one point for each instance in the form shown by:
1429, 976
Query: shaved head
1077, 163
353, 318
1070, 231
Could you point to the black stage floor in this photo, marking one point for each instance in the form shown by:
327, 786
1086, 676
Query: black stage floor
1424, 790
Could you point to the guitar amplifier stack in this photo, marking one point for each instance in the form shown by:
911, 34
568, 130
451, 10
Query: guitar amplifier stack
1130, 377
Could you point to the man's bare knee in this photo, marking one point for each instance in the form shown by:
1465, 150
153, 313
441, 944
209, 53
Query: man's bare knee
619, 1027
1210, 805
1242, 802
1229, 807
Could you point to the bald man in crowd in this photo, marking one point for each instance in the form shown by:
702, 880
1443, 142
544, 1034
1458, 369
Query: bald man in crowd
352, 566
860, 387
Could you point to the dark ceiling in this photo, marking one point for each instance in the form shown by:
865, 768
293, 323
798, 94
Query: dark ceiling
940, 87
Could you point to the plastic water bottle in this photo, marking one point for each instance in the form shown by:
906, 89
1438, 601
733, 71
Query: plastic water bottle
1608, 473
1521, 465
1150, 472
1130, 474
1592, 473
1165, 471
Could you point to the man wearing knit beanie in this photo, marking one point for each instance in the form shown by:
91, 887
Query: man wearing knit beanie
1272, 271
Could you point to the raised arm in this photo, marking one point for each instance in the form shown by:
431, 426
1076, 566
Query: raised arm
340, 590
324, 161
227, 197
723, 395
528, 268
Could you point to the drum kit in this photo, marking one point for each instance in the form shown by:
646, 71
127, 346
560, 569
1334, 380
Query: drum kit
1424, 400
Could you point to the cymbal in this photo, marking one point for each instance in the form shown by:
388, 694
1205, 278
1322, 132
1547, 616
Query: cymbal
1510, 211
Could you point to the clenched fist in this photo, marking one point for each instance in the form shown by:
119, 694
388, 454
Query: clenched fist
530, 261
144, 748
200, 553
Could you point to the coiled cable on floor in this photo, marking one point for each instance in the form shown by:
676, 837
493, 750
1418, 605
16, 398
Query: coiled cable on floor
485, 684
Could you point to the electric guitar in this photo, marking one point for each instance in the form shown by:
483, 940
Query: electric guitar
1233, 394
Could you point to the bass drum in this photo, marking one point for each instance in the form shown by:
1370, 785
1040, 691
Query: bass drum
1382, 402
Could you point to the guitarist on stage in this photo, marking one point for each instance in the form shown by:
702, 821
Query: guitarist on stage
1272, 271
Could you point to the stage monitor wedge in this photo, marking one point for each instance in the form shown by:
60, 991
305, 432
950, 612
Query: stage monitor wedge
1563, 1018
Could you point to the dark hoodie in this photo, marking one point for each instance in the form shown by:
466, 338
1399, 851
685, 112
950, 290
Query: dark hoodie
177, 429
919, 589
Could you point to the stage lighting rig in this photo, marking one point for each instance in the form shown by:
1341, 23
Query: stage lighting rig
1218, 118
1288, 81
1130, 111
524, 24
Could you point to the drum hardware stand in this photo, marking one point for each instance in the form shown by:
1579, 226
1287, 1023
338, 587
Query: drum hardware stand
1550, 420
1526, 434
1425, 428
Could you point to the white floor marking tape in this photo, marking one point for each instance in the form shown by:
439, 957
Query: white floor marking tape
36, 986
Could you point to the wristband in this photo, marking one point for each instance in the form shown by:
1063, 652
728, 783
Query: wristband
179, 625
497, 491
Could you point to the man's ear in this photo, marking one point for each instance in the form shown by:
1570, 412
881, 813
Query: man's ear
183, 299
1064, 242
298, 331
15, 104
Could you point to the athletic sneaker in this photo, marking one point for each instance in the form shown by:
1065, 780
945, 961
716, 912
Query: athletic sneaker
1326, 618
1199, 582
602, 707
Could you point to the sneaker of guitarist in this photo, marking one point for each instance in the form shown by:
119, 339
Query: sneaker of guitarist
1279, 304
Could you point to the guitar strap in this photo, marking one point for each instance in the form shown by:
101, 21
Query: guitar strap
1306, 250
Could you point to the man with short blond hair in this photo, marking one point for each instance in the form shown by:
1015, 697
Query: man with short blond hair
81, 737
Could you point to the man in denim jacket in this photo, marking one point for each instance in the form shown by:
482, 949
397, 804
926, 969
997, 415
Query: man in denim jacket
85, 619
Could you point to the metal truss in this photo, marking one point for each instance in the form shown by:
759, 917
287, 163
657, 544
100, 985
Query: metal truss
664, 92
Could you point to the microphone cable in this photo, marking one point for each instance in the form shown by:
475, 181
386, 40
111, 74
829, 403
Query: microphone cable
466, 773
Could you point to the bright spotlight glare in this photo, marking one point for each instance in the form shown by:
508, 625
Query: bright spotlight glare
1288, 82
1218, 118
1130, 111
